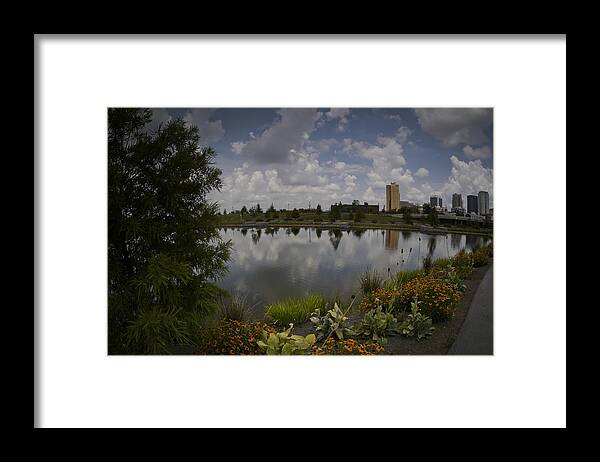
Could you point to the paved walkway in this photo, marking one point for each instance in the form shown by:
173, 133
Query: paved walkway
476, 337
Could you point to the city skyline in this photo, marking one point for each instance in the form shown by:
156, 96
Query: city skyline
327, 155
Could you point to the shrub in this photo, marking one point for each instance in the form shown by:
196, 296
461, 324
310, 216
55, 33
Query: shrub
282, 343
427, 263
384, 297
378, 325
437, 296
480, 257
331, 322
229, 337
347, 347
449, 275
416, 324
295, 310
370, 280
463, 264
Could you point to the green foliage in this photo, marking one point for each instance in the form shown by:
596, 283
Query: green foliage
416, 324
399, 278
427, 263
319, 209
463, 264
282, 343
407, 215
235, 307
164, 249
370, 280
438, 298
334, 213
449, 275
331, 322
295, 310
378, 324
480, 257
432, 217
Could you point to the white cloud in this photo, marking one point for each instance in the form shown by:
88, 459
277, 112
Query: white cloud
237, 147
468, 178
422, 172
209, 131
286, 135
483, 152
456, 126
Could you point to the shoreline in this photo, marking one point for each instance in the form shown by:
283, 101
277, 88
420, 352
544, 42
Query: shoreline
348, 226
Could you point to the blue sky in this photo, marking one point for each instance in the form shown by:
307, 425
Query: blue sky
326, 155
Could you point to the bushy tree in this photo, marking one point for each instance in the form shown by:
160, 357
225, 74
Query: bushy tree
244, 210
407, 215
432, 217
334, 213
164, 250
319, 210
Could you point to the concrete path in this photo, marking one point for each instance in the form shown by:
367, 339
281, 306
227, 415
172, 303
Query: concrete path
476, 337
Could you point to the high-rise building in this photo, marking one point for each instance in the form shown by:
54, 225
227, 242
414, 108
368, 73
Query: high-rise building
392, 197
483, 202
435, 201
472, 204
457, 200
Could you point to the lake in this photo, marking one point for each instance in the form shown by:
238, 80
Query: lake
275, 263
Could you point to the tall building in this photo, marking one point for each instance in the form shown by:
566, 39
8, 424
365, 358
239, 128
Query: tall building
483, 202
392, 197
472, 204
435, 201
457, 200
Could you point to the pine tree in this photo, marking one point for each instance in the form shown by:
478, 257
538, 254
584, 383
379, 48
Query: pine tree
164, 250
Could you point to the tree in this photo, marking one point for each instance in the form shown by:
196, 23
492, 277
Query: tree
164, 250
319, 210
426, 208
334, 213
244, 210
433, 217
407, 215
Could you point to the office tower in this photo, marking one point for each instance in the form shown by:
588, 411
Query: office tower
457, 200
435, 201
472, 204
392, 197
483, 202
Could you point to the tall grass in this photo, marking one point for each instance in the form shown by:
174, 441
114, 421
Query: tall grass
401, 277
295, 310
235, 307
370, 280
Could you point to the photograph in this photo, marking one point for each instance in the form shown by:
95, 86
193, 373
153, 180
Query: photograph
300, 230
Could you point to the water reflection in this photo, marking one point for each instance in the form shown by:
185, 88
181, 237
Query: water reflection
293, 263
392, 236
335, 237
431, 245
455, 240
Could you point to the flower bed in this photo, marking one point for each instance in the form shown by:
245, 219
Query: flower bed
229, 337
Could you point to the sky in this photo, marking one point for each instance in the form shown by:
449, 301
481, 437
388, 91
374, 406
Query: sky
327, 155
